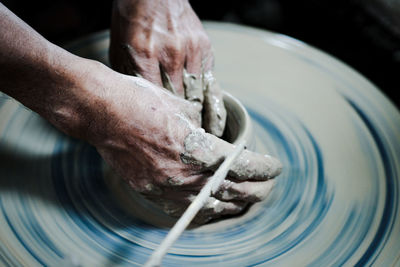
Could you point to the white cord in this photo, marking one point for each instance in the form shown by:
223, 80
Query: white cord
210, 187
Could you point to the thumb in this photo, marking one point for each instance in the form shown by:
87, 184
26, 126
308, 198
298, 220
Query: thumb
208, 151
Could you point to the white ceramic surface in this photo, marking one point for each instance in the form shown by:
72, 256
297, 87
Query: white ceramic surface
336, 202
238, 122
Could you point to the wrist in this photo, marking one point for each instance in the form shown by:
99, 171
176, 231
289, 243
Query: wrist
72, 102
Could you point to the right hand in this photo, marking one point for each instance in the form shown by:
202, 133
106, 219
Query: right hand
154, 141
164, 42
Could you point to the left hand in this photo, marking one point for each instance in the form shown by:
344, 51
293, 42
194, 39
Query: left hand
153, 140
164, 42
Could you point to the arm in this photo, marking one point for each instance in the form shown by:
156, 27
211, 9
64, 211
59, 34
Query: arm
42, 76
149, 136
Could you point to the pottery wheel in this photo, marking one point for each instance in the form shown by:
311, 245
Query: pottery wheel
336, 202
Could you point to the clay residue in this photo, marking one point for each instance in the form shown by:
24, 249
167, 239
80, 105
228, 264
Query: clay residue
250, 166
214, 115
193, 87
201, 150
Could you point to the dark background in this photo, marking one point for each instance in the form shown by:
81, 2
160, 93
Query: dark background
363, 33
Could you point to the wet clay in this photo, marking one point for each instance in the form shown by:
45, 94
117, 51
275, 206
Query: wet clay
251, 172
193, 87
214, 115
208, 151
199, 148
205, 91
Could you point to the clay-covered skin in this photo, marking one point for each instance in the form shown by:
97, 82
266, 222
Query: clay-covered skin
159, 148
164, 42
149, 136
214, 112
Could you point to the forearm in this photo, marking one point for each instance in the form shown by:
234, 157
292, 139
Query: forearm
42, 76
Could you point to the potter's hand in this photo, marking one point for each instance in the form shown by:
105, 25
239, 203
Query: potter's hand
149, 136
153, 140
165, 43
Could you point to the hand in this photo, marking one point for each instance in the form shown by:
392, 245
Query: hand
150, 137
165, 43
153, 140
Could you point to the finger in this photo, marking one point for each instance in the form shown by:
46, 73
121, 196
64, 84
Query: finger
193, 61
207, 58
207, 151
174, 203
214, 112
193, 87
249, 165
193, 112
214, 115
172, 61
138, 65
254, 166
171, 207
215, 208
247, 191
192, 182
200, 150
192, 79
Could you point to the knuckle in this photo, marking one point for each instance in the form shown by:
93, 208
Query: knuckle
175, 46
173, 52
194, 40
205, 45
203, 38
147, 52
141, 49
171, 62
192, 45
